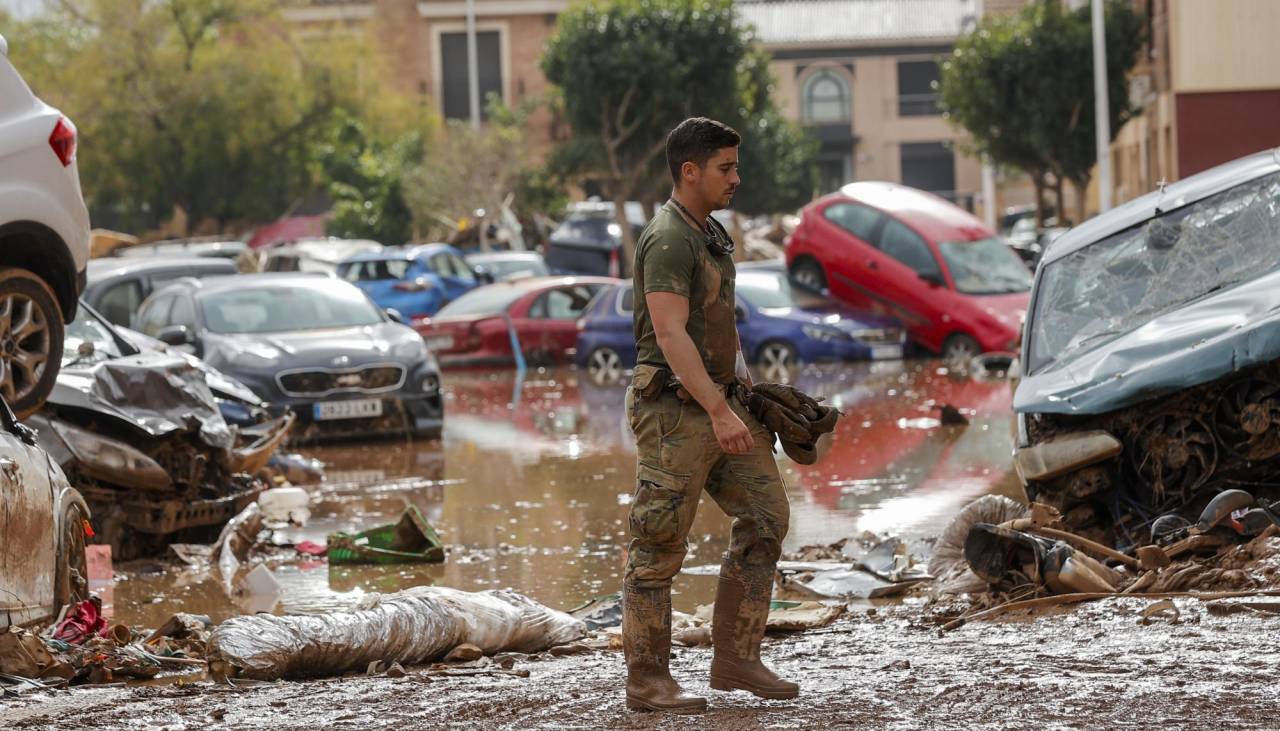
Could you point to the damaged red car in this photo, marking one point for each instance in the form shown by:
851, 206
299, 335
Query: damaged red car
903, 252
541, 314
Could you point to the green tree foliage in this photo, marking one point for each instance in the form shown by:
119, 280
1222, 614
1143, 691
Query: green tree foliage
630, 70
208, 106
366, 180
1022, 86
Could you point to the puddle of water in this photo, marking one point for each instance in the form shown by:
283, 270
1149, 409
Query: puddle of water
531, 484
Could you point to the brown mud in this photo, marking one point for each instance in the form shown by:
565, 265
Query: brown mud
530, 488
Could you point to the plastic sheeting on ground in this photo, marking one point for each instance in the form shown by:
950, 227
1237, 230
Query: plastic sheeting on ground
411, 627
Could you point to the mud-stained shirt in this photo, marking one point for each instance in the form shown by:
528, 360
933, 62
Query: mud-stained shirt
672, 256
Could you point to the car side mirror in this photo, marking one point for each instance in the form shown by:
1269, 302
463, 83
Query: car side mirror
395, 315
176, 335
484, 277
934, 280
740, 313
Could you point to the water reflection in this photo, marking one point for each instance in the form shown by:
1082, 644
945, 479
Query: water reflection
530, 487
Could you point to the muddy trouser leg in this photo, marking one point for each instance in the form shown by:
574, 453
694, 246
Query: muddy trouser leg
668, 485
748, 488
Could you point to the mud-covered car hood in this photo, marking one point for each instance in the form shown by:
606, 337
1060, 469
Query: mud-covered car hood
156, 392
270, 353
1200, 342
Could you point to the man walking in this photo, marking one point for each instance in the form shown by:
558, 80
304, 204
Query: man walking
693, 434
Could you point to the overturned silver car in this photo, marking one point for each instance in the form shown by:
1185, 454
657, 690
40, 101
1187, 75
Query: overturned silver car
141, 434
1152, 356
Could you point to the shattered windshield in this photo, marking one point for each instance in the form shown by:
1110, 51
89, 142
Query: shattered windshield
987, 266
86, 328
1125, 280
285, 308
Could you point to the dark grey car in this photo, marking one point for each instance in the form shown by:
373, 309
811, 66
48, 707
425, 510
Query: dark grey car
307, 342
117, 287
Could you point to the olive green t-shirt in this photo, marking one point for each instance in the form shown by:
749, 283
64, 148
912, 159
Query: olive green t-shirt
672, 256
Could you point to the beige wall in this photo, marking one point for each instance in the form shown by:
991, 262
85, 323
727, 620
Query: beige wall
1224, 45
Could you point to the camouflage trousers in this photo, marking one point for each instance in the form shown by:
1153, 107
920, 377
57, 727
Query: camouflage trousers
679, 458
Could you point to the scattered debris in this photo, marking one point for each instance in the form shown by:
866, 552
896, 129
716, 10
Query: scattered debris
410, 540
951, 416
413, 626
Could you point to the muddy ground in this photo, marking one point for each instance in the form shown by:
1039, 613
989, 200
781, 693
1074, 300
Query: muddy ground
530, 488
1091, 667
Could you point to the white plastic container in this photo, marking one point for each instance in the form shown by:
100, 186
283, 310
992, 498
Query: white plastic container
286, 504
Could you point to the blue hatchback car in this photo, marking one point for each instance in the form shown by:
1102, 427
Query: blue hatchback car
780, 327
416, 281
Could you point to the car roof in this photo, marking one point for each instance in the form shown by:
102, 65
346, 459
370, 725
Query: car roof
504, 256
532, 284
261, 279
932, 215
110, 267
389, 253
1186, 191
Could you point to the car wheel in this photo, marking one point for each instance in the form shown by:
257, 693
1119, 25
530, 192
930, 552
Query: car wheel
808, 274
31, 332
960, 348
71, 584
777, 359
605, 366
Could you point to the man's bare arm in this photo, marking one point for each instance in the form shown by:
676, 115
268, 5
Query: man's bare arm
670, 313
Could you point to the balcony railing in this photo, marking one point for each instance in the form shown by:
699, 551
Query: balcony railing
918, 105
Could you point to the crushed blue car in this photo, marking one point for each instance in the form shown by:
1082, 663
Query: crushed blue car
780, 327
415, 281
1151, 357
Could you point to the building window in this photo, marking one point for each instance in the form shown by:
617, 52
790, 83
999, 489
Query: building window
826, 98
929, 166
454, 93
916, 95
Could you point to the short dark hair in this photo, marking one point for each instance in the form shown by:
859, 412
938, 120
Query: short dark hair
696, 140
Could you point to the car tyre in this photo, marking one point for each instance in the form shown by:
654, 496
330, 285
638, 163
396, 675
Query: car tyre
777, 360
960, 348
31, 333
71, 584
604, 365
808, 274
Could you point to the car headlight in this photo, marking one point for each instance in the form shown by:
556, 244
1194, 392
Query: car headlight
824, 334
112, 461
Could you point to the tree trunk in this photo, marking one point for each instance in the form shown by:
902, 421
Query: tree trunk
1037, 180
628, 254
1081, 185
1061, 212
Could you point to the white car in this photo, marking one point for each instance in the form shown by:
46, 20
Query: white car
42, 557
44, 239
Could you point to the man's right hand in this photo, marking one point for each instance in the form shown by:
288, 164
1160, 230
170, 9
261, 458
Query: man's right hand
733, 435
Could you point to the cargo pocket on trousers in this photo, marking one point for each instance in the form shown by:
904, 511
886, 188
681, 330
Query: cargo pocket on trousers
655, 509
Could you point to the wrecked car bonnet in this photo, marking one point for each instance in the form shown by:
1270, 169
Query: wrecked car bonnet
1195, 344
157, 393
347, 347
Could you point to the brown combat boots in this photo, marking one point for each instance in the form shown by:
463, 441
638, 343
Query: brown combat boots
646, 640
737, 628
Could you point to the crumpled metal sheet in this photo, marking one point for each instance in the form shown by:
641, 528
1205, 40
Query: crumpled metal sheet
1196, 344
161, 394
411, 627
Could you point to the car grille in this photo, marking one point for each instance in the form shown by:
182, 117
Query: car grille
321, 382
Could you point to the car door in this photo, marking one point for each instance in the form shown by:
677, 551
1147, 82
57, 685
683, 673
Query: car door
910, 279
555, 315
29, 549
852, 263
459, 279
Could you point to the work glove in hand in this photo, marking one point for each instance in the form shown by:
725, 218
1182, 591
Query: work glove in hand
794, 416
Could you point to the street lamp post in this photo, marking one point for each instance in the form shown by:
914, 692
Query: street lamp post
1102, 108
473, 74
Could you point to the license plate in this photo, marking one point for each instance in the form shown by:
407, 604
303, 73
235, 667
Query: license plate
440, 342
358, 409
886, 352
